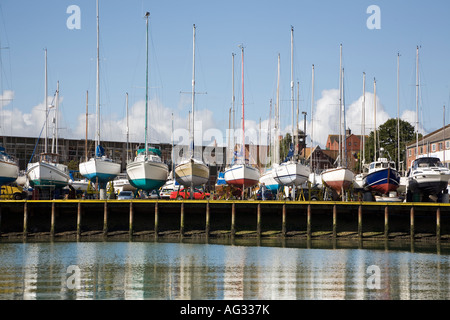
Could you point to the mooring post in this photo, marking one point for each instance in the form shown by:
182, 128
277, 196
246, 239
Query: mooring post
438, 224
25, 220
334, 221
105, 219
52, 220
308, 221
207, 226
258, 220
283, 221
156, 220
360, 231
130, 231
79, 219
182, 220
233, 219
411, 218
386, 222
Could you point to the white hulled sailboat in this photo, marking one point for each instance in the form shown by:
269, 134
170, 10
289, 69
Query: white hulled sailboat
291, 172
99, 168
147, 171
48, 172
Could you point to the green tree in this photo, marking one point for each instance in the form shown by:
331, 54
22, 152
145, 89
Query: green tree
387, 139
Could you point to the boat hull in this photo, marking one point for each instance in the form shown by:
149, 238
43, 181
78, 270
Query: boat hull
291, 173
99, 169
9, 171
242, 175
269, 181
338, 179
192, 172
147, 175
383, 180
431, 183
44, 174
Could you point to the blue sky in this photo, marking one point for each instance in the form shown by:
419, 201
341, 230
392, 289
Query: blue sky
27, 27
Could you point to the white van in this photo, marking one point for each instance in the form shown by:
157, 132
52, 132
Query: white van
168, 188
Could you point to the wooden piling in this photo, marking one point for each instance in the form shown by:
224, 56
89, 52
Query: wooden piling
52, 222
0, 221
130, 229
411, 224
308, 221
283, 221
156, 220
182, 220
258, 220
25, 220
360, 230
438, 224
207, 222
233, 219
105, 219
79, 219
386, 222
334, 221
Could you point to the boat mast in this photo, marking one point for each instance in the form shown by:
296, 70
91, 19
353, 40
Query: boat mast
97, 140
277, 118
312, 117
398, 111
243, 113
292, 83
363, 127
340, 106
417, 102
128, 128
193, 91
86, 138
46, 105
147, 14
233, 99
56, 117
375, 119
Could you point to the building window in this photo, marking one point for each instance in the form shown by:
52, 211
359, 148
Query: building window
433, 147
440, 146
421, 150
447, 144
409, 153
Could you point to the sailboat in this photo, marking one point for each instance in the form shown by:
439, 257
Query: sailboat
48, 172
291, 172
192, 172
382, 176
9, 169
268, 177
147, 171
427, 175
341, 178
242, 174
99, 168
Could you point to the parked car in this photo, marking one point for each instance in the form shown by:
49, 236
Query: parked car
268, 195
180, 195
153, 195
165, 192
125, 195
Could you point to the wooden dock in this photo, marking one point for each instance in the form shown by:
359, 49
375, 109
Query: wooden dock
193, 218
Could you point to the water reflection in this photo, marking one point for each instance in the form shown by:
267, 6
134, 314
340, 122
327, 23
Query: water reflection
164, 270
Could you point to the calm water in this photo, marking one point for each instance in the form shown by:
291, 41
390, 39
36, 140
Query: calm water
161, 270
